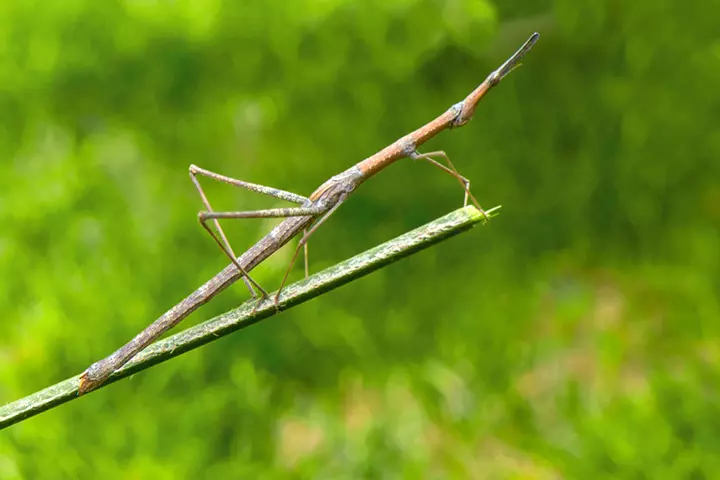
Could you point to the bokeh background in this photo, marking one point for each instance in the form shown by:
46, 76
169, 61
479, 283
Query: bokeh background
576, 336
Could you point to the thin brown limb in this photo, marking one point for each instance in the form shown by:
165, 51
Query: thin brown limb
225, 247
303, 241
464, 182
222, 241
253, 187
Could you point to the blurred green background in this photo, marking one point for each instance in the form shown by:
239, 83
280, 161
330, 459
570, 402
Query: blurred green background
576, 336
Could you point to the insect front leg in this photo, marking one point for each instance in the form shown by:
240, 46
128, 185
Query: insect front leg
451, 170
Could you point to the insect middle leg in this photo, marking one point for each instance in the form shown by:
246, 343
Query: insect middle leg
220, 238
303, 244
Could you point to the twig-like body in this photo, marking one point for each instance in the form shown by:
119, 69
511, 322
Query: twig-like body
356, 267
319, 206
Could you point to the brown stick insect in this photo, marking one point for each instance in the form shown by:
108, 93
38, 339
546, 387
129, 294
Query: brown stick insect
312, 212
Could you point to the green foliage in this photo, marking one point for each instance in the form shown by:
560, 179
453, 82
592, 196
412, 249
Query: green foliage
576, 336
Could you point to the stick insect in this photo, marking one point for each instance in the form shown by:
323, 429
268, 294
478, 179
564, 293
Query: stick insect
310, 213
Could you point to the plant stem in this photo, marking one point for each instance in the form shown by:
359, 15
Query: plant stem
244, 316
